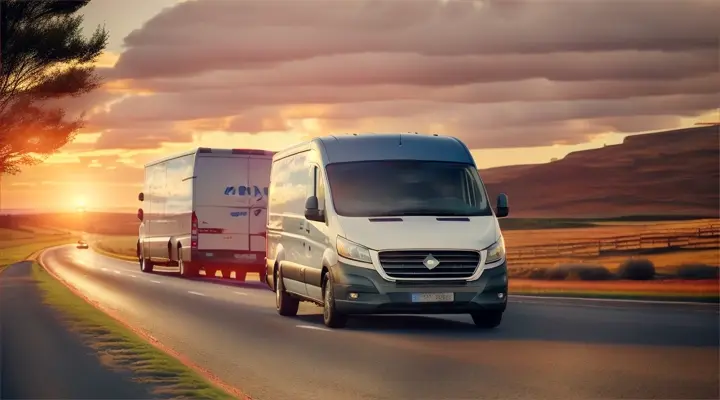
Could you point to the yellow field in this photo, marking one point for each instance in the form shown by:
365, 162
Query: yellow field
114, 245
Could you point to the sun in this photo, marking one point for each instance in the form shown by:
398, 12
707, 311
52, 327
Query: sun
80, 203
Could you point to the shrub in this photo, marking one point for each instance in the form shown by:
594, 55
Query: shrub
636, 269
698, 271
582, 272
562, 272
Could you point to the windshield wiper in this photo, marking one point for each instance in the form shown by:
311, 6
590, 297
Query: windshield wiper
420, 212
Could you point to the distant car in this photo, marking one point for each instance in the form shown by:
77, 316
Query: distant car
81, 244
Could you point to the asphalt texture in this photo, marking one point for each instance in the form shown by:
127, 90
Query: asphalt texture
545, 349
41, 359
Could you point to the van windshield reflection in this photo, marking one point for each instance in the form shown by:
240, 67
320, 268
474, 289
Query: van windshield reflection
406, 188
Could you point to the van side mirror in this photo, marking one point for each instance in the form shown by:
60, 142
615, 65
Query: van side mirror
312, 210
503, 209
141, 196
140, 214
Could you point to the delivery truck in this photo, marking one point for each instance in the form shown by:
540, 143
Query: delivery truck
205, 210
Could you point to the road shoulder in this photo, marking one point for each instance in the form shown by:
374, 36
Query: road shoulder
41, 358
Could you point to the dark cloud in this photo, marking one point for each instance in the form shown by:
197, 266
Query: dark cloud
494, 73
230, 34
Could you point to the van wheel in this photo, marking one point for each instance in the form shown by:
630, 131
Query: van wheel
146, 264
487, 319
185, 270
331, 317
286, 305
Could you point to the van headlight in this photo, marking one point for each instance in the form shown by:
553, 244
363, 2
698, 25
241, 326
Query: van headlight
496, 252
353, 251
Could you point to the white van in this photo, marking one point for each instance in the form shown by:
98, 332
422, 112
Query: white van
206, 209
384, 223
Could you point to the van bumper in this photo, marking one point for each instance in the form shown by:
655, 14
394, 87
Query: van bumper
239, 258
375, 295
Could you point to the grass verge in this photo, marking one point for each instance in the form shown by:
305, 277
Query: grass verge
122, 247
119, 347
101, 250
12, 254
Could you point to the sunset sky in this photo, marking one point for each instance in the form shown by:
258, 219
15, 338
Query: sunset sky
519, 81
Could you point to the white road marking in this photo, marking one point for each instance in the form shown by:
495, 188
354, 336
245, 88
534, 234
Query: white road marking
132, 276
316, 328
155, 281
240, 293
196, 293
588, 299
117, 272
104, 269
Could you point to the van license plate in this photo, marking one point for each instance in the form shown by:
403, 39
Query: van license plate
432, 297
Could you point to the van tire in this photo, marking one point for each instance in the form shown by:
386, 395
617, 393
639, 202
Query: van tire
286, 305
332, 318
487, 319
187, 270
146, 264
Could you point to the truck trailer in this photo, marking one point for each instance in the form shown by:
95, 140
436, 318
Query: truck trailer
205, 209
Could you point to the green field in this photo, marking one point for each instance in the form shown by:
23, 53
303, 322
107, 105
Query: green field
16, 245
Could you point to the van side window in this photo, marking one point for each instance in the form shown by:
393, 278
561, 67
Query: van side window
291, 182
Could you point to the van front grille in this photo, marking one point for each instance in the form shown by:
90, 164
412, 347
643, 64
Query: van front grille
452, 264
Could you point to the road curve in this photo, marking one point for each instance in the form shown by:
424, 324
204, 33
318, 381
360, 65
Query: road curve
544, 348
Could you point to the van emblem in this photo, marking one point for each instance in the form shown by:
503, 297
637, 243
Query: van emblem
431, 262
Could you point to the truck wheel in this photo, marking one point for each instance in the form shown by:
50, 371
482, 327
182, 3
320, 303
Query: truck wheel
185, 271
286, 305
146, 264
487, 319
331, 317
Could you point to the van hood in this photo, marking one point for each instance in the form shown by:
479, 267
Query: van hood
423, 232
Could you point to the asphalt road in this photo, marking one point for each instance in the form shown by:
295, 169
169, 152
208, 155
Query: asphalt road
544, 348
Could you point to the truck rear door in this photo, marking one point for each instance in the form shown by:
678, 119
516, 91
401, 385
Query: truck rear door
259, 181
222, 202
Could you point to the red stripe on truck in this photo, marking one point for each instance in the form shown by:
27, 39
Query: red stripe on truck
211, 230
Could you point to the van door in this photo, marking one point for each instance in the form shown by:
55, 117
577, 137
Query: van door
222, 203
316, 237
259, 182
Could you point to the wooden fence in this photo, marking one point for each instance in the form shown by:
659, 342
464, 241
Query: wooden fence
707, 237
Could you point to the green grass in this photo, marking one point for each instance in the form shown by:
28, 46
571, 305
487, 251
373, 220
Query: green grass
11, 255
119, 347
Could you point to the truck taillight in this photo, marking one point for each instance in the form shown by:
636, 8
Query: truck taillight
194, 231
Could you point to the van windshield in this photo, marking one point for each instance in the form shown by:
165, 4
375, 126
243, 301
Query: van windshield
406, 188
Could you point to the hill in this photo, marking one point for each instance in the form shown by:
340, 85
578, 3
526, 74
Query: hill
673, 172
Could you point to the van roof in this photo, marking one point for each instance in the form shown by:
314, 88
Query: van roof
208, 150
394, 146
